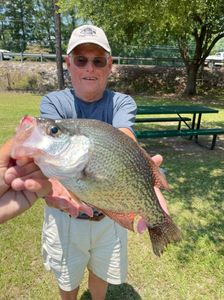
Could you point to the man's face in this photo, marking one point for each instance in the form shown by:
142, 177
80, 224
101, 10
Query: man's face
88, 79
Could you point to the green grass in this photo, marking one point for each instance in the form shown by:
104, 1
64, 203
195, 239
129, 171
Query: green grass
191, 270
13, 106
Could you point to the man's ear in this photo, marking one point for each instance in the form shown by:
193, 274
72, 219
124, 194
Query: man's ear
110, 62
67, 60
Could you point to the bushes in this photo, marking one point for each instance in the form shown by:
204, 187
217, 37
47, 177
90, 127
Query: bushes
28, 76
159, 80
151, 80
22, 82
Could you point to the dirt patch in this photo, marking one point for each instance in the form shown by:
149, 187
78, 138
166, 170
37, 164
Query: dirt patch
183, 145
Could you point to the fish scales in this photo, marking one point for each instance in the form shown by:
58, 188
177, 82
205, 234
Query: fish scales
102, 166
117, 169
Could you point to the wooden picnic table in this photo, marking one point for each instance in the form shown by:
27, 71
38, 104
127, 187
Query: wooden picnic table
193, 124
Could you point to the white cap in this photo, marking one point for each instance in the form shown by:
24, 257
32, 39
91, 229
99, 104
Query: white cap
88, 34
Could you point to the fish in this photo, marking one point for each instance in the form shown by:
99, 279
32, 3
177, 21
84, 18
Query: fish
104, 168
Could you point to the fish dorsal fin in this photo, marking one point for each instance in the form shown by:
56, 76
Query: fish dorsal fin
158, 179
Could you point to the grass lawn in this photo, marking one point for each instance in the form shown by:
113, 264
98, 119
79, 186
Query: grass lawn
191, 270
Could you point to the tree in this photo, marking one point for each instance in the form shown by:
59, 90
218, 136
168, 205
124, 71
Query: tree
123, 26
31, 22
195, 25
59, 59
44, 33
17, 24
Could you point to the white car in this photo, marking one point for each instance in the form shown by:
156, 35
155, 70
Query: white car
216, 60
5, 54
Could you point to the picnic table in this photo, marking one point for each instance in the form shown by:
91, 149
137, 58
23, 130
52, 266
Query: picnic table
193, 123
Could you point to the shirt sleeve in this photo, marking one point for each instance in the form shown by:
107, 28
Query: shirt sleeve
125, 110
48, 109
58, 105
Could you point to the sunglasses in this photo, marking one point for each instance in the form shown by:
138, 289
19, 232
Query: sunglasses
81, 61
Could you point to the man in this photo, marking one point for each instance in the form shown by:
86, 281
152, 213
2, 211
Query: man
72, 244
77, 243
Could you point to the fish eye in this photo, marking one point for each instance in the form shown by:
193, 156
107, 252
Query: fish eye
53, 131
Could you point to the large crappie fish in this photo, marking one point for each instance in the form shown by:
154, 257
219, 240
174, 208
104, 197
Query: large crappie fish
103, 167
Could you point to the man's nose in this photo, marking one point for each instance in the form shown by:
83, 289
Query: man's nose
90, 66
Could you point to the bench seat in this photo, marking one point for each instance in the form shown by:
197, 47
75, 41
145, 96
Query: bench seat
168, 119
162, 119
185, 132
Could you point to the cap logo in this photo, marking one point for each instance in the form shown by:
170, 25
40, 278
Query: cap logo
88, 31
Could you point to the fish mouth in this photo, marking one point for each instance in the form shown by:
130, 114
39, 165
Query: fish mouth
23, 132
25, 128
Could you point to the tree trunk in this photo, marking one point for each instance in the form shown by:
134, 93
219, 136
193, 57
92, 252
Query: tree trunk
192, 73
59, 59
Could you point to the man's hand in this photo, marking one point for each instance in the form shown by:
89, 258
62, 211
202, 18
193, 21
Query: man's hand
21, 183
26, 176
158, 159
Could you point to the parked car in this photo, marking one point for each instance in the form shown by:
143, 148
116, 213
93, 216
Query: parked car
216, 60
5, 54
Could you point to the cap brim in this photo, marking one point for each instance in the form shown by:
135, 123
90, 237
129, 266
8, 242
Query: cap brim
87, 41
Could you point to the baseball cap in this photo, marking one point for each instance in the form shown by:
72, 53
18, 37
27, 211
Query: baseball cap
88, 34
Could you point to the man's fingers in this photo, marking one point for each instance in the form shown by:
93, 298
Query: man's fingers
5, 151
17, 171
36, 182
39, 186
158, 159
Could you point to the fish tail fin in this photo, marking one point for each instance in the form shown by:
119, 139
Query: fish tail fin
163, 234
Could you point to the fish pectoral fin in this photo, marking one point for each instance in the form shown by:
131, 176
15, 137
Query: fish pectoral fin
163, 234
88, 175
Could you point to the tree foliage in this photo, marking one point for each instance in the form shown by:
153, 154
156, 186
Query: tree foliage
124, 27
24, 23
44, 31
17, 24
194, 25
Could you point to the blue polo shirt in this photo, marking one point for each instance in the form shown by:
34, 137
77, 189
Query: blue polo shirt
114, 108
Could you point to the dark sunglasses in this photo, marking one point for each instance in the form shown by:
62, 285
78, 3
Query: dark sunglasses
81, 61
